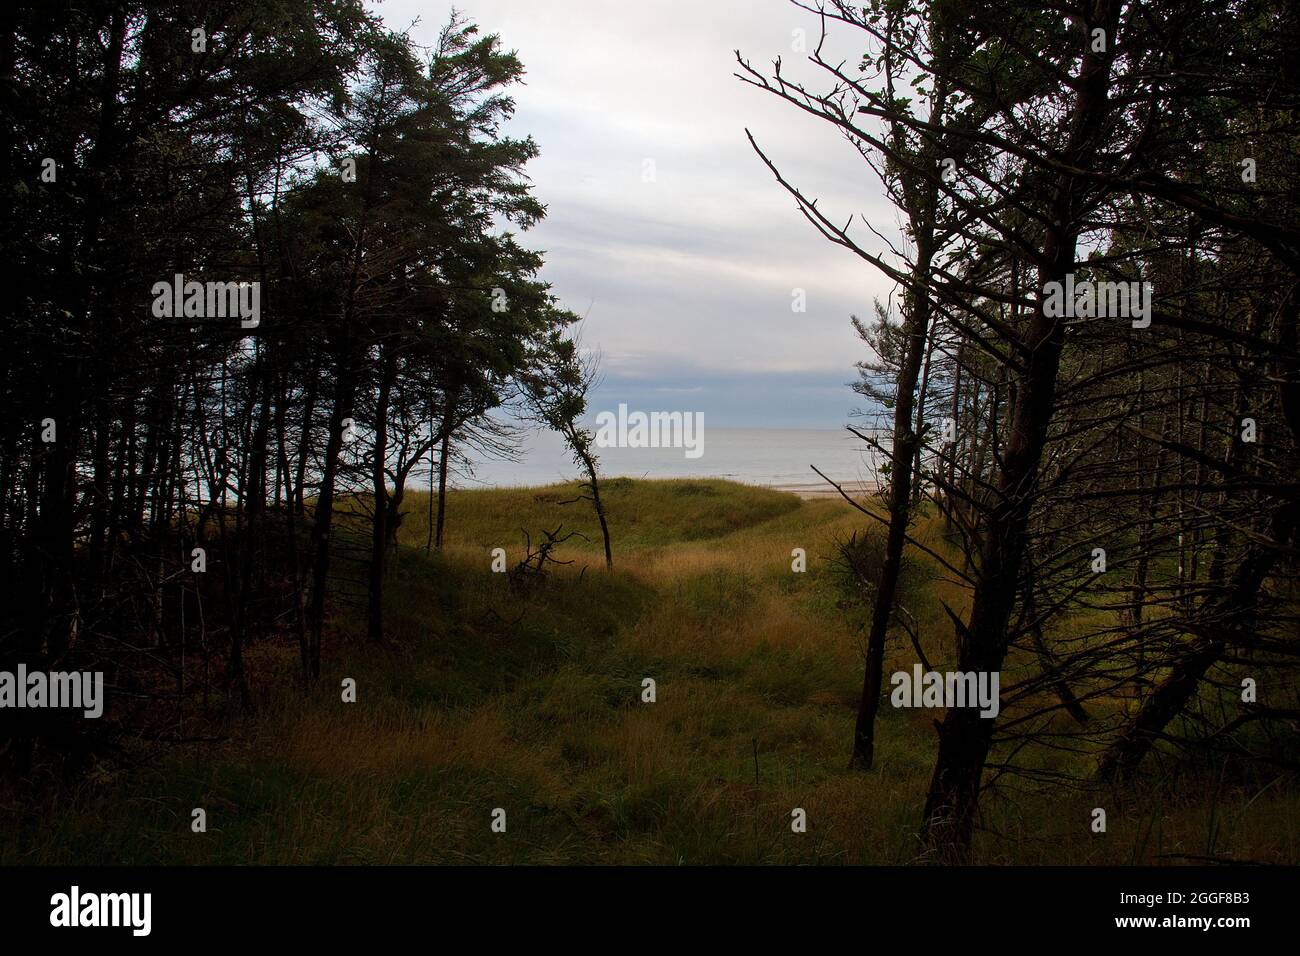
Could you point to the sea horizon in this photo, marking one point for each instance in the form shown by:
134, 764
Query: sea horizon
770, 457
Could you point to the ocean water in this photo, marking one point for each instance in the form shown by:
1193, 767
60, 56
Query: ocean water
756, 456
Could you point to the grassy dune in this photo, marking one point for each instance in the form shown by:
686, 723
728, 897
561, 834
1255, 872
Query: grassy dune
490, 697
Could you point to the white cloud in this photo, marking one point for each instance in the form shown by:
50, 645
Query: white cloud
695, 269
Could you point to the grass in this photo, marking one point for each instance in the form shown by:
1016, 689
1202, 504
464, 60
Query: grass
488, 697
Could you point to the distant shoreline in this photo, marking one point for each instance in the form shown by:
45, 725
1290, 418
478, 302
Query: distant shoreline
804, 489
823, 490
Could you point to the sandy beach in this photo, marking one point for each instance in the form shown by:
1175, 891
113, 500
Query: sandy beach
821, 489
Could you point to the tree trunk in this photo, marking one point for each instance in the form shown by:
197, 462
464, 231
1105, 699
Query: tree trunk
594, 484
965, 736
345, 391
1224, 617
379, 487
443, 456
902, 459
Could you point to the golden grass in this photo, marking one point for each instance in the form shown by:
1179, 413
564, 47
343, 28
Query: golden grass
532, 702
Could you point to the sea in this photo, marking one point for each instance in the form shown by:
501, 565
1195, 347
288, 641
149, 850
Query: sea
778, 457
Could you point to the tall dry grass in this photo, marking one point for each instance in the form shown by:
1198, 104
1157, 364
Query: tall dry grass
490, 697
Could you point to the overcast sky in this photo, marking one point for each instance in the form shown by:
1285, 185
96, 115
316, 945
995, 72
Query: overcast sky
687, 280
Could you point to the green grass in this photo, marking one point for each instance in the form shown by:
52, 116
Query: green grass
487, 696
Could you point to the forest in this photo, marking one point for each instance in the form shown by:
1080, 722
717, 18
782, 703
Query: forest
274, 284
